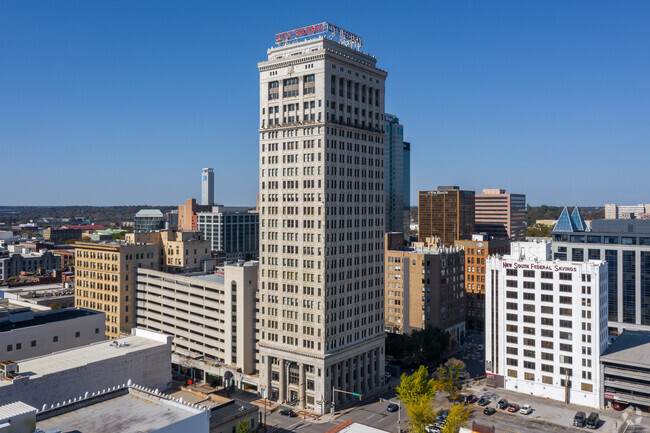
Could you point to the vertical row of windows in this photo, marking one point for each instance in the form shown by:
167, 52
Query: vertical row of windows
629, 287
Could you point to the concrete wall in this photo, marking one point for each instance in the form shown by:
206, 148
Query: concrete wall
199, 423
90, 328
150, 367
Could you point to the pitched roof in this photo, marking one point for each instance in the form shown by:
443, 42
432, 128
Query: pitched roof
565, 223
580, 223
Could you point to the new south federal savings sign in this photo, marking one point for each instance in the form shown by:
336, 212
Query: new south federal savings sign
540, 267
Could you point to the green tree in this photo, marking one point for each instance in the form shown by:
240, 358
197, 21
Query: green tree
457, 418
448, 377
55, 306
417, 392
244, 427
214, 380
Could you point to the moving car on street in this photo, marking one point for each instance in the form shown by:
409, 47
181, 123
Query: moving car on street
289, 413
392, 407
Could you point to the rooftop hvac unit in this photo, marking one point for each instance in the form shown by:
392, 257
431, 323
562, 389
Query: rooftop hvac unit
8, 369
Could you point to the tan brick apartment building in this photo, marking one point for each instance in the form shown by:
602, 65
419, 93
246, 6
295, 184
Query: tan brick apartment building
106, 280
179, 250
424, 287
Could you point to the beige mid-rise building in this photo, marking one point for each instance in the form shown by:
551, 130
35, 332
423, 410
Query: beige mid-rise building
321, 130
105, 280
424, 287
180, 251
211, 316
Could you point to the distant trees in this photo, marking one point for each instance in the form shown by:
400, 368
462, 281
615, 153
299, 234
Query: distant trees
539, 231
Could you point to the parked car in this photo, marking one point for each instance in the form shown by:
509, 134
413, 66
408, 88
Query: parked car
387, 375
433, 429
392, 407
502, 404
619, 405
489, 411
289, 413
469, 399
592, 421
483, 401
442, 416
579, 419
526, 409
513, 407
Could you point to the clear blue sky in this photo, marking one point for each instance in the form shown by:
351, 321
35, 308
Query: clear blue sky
123, 102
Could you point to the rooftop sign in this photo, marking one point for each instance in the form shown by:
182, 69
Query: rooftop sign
325, 29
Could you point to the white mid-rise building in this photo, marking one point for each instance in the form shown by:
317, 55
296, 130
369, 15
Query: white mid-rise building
231, 229
321, 218
545, 324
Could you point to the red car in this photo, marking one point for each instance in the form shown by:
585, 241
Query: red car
513, 407
618, 405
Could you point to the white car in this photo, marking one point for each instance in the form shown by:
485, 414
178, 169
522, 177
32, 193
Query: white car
526, 409
433, 429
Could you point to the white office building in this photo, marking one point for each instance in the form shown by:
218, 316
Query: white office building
546, 324
207, 187
322, 208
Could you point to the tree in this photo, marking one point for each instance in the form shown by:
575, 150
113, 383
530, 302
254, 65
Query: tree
213, 380
417, 392
448, 377
421, 415
244, 426
55, 306
457, 418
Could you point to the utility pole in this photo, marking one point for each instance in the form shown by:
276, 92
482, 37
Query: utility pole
343, 392
266, 402
399, 412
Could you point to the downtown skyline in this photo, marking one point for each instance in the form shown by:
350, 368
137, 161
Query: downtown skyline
135, 99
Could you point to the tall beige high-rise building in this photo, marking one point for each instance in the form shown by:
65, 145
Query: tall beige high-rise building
321, 218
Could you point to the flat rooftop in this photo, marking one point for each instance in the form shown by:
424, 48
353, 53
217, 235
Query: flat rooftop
631, 227
630, 348
129, 413
45, 318
82, 356
212, 278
